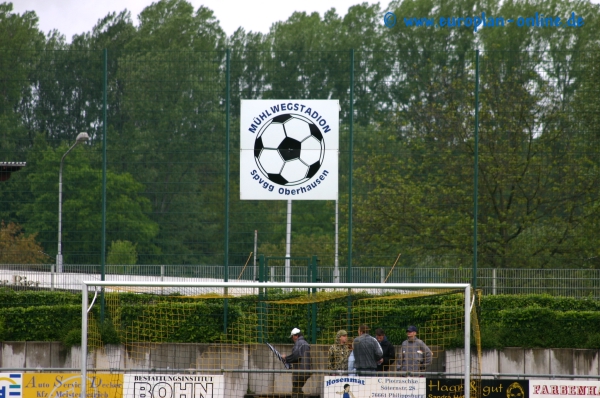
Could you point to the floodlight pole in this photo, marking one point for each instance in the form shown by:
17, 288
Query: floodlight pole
81, 137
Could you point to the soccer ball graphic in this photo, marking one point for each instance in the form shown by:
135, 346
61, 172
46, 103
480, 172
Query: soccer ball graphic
289, 149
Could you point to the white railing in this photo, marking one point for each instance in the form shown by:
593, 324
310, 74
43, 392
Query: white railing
558, 282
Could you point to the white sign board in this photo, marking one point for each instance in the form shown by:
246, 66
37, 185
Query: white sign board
374, 387
156, 385
11, 385
563, 388
289, 149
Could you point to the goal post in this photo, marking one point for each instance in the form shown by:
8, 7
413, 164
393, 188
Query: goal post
227, 339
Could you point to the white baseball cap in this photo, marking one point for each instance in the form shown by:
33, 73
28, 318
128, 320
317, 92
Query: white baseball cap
295, 331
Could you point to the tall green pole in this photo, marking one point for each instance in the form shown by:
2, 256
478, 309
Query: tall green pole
103, 239
261, 300
313, 321
350, 167
227, 131
476, 170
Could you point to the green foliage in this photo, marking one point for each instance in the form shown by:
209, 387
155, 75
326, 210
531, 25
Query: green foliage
544, 328
122, 252
177, 322
108, 333
71, 333
82, 202
491, 304
39, 323
530, 321
16, 248
10, 298
72, 338
2, 330
413, 116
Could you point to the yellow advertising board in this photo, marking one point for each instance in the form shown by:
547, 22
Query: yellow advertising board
68, 385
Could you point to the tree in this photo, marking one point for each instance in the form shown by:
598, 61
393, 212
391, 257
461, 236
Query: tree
172, 25
535, 179
20, 42
585, 120
122, 255
172, 127
127, 209
17, 248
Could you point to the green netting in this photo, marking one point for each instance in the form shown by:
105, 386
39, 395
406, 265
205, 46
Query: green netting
159, 123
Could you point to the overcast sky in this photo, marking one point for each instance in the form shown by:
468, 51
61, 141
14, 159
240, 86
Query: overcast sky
78, 16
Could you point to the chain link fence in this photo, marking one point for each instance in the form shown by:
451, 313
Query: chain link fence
455, 160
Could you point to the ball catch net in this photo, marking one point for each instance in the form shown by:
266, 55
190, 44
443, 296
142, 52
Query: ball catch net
222, 340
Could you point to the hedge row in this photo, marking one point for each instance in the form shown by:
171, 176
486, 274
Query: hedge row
532, 321
28, 298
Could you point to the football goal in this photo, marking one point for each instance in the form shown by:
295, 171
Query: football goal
237, 339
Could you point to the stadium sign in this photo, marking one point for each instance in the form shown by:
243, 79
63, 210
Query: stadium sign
289, 149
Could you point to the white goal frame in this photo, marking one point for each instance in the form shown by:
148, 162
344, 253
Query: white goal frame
86, 306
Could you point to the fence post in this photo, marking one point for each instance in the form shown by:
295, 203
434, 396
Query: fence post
227, 142
162, 277
104, 161
314, 305
476, 170
261, 268
227, 125
350, 167
261, 299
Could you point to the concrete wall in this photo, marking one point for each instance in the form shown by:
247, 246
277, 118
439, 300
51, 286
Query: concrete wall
206, 357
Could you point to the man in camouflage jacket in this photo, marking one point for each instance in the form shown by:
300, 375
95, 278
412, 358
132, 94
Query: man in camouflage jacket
339, 352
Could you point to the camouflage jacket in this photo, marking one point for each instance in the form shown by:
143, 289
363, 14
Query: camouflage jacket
338, 357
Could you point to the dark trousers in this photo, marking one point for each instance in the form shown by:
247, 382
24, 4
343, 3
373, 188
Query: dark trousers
368, 371
298, 381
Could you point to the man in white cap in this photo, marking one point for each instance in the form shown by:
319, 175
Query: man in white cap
300, 360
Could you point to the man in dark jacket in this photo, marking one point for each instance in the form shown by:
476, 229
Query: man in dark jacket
300, 360
389, 352
415, 355
367, 351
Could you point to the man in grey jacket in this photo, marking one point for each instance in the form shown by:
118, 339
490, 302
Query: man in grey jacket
415, 356
300, 360
367, 351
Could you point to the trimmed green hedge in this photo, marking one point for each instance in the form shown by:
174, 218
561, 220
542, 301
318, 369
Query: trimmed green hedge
530, 321
43, 323
25, 298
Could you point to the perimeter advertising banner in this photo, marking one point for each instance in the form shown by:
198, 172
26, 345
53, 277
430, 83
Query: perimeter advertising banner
68, 385
289, 149
174, 386
11, 385
563, 388
490, 388
374, 387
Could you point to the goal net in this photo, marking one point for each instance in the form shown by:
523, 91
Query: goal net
249, 340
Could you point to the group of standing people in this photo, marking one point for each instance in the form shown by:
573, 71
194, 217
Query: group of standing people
378, 354
365, 354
